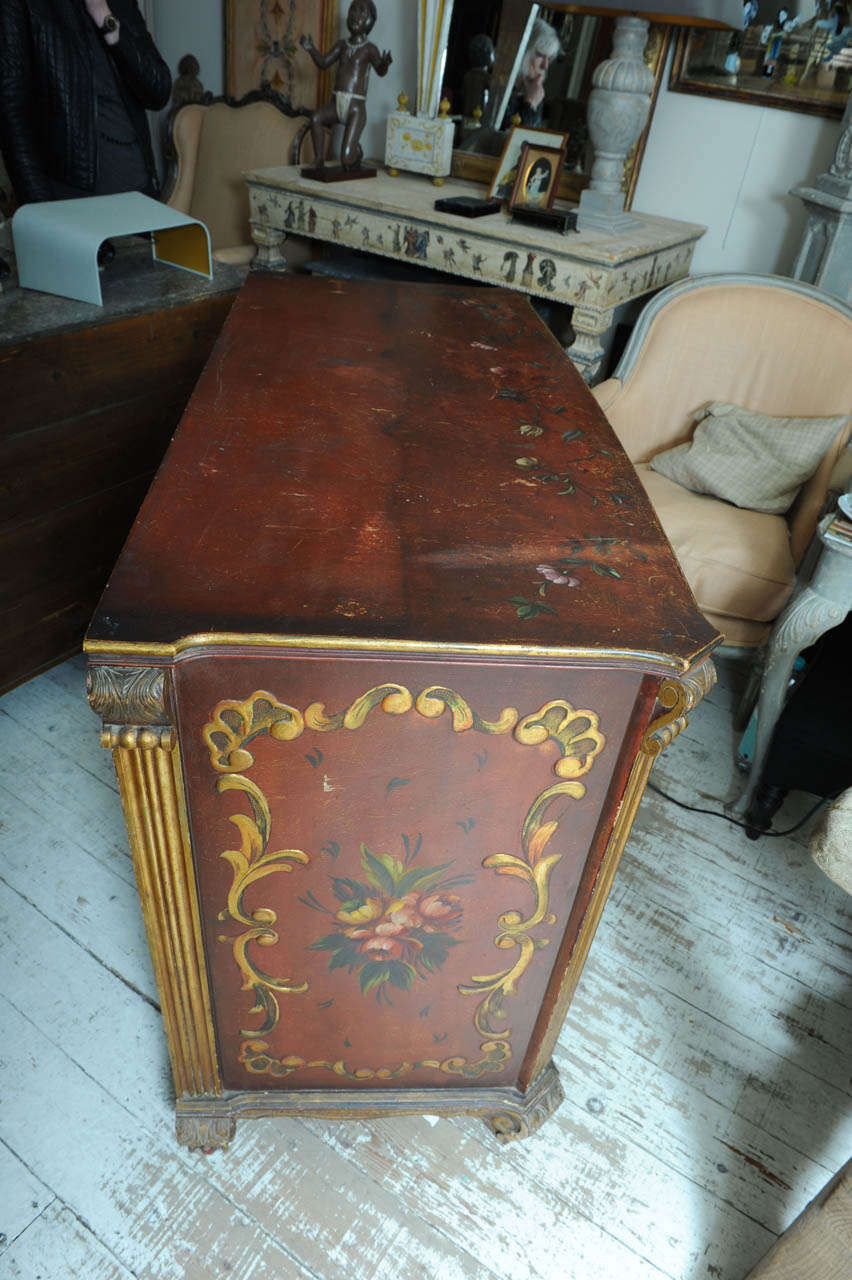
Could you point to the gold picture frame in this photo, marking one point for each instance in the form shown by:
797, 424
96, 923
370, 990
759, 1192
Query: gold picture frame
504, 176
262, 48
537, 178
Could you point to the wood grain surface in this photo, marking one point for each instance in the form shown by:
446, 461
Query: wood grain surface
88, 414
371, 461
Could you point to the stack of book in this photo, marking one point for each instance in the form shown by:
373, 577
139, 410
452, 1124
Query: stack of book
840, 529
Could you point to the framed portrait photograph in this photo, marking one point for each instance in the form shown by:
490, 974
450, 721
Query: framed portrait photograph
536, 178
262, 47
503, 181
798, 61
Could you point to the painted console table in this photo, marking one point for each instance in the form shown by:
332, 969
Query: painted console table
396, 218
383, 691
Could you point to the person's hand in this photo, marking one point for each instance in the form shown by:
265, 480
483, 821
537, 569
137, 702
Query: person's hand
99, 11
305, 41
384, 63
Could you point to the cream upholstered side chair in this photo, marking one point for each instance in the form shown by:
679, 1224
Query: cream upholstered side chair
766, 343
216, 142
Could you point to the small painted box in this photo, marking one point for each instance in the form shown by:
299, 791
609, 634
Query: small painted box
384, 665
419, 144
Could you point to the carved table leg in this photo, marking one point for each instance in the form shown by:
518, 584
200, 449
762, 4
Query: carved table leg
590, 324
270, 248
805, 619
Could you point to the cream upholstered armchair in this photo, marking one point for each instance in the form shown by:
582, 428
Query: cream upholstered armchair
215, 143
765, 343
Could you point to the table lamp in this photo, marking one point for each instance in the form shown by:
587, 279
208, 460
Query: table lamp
620, 100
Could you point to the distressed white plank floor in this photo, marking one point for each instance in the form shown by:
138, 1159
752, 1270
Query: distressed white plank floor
706, 1062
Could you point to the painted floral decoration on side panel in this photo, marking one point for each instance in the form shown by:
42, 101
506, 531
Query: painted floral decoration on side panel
396, 925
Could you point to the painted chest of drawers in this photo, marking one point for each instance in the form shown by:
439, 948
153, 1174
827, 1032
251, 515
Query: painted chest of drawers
384, 665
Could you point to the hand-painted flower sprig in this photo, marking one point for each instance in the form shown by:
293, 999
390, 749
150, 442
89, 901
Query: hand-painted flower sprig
559, 572
396, 925
568, 481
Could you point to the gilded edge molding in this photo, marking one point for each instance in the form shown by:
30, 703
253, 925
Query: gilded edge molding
147, 765
644, 660
209, 1123
676, 699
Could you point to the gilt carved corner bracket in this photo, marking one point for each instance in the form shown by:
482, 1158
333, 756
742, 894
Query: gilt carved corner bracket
131, 702
677, 698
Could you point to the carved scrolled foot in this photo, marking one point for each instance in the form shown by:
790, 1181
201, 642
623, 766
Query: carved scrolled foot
506, 1125
521, 1119
204, 1133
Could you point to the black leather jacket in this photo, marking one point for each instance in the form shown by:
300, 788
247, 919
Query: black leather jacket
48, 126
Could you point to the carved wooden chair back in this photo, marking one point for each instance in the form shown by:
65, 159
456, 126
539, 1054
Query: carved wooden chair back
216, 142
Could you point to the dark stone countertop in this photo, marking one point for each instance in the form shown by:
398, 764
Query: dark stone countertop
132, 284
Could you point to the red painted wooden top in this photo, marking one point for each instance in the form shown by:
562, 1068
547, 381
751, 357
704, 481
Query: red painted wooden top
403, 463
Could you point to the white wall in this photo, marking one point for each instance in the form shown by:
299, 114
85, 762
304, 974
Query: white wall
724, 164
197, 26
192, 26
396, 29
730, 166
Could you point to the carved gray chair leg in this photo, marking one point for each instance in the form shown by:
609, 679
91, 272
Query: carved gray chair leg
751, 689
821, 605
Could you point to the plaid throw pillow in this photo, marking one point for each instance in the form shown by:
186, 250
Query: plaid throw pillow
750, 459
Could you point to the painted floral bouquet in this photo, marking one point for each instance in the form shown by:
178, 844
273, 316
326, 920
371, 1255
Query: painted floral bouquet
396, 925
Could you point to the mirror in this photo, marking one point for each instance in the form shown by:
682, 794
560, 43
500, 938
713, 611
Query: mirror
509, 59
798, 58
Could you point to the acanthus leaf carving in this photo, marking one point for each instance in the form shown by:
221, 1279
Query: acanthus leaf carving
127, 695
806, 618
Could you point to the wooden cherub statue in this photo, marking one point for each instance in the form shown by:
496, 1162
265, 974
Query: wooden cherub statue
354, 58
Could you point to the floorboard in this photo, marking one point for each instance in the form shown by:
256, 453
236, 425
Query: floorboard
58, 1244
705, 1062
24, 1197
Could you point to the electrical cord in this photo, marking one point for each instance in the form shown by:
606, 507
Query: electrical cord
746, 826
